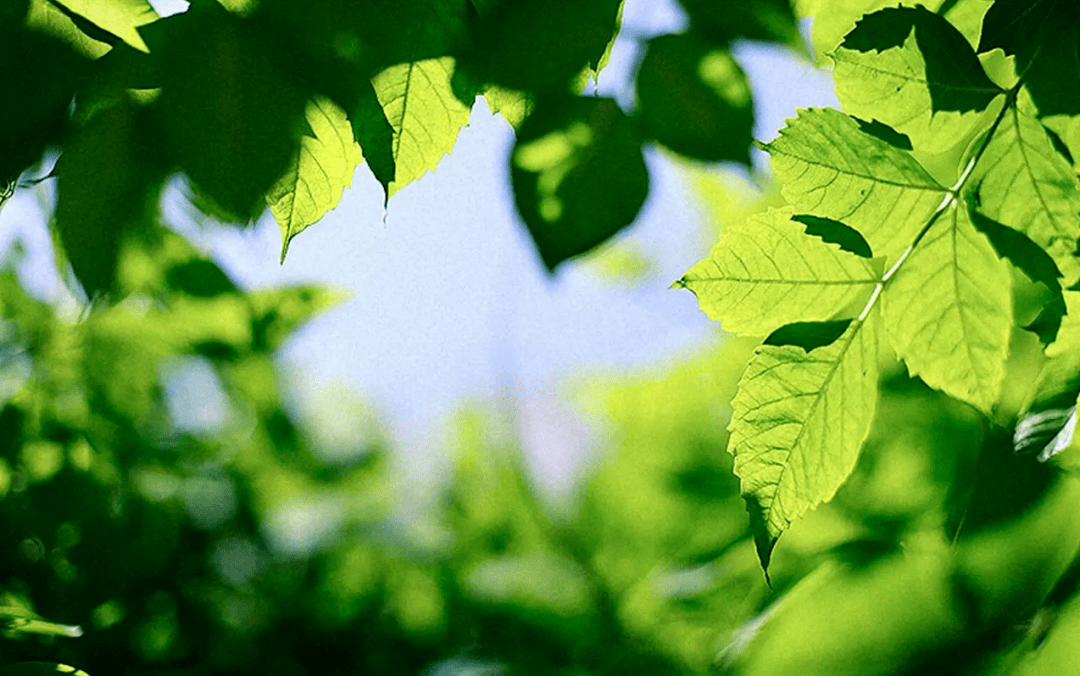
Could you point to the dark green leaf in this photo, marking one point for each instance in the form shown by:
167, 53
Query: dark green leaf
835, 232
694, 98
107, 188
199, 277
1048, 321
231, 118
374, 133
37, 93
808, 335
540, 46
721, 22
579, 175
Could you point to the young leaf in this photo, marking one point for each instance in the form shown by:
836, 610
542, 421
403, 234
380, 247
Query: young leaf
948, 311
797, 424
911, 69
767, 272
694, 98
1021, 181
425, 115
323, 167
579, 175
829, 167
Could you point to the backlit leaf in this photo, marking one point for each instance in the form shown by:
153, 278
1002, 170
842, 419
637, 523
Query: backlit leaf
829, 167
579, 175
767, 272
833, 19
948, 311
425, 115
323, 167
1053, 400
914, 71
1021, 181
798, 422
120, 18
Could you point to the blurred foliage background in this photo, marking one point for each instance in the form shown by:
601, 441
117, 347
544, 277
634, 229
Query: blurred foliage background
166, 509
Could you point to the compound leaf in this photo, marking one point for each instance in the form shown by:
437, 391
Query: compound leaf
425, 115
767, 272
829, 167
798, 421
1021, 181
322, 168
948, 312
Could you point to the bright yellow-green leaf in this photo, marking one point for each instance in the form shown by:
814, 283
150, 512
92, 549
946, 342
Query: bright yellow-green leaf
931, 87
830, 167
323, 167
767, 272
119, 17
1023, 182
425, 115
948, 311
798, 422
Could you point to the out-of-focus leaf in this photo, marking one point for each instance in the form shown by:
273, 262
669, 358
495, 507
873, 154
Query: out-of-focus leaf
579, 175
231, 118
772, 20
106, 189
948, 311
829, 167
694, 98
1023, 182
40, 669
424, 113
1046, 425
767, 272
276, 313
323, 167
911, 69
797, 424
38, 88
539, 46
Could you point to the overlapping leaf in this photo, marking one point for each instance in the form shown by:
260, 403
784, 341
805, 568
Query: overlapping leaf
830, 167
1021, 181
767, 272
911, 69
798, 422
118, 18
833, 19
948, 311
323, 167
424, 113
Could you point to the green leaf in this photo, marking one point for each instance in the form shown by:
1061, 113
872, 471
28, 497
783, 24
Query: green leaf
323, 167
1042, 35
119, 18
276, 313
798, 422
1018, 249
1021, 181
424, 113
829, 167
808, 335
767, 272
579, 175
833, 19
106, 189
231, 118
694, 98
911, 69
948, 311
40, 669
721, 22
540, 46
375, 135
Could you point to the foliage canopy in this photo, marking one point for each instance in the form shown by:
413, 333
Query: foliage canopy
936, 218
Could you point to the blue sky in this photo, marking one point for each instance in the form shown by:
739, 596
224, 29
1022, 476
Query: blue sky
450, 302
